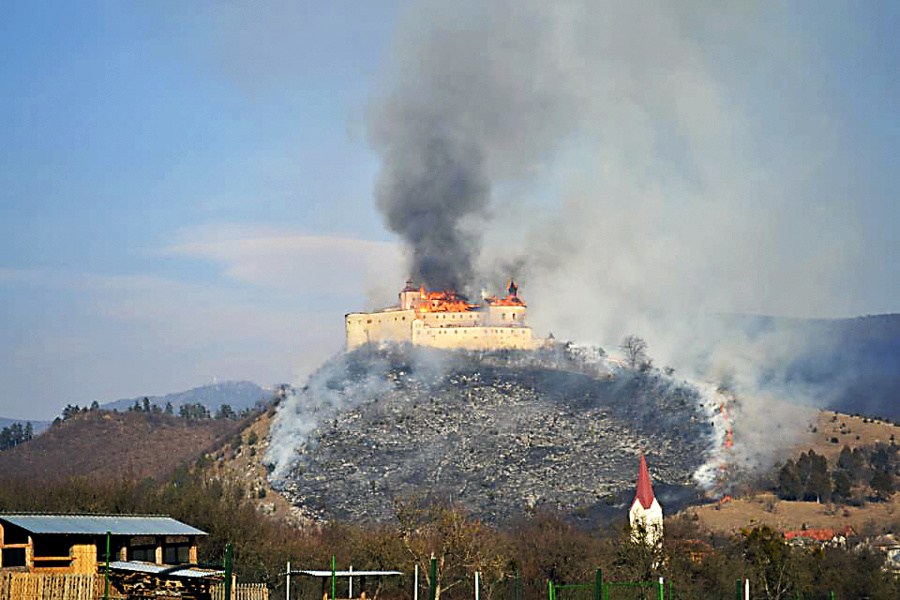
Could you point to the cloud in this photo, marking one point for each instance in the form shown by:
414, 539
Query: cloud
272, 312
290, 262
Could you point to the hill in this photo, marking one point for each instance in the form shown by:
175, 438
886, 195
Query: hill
108, 445
502, 433
239, 395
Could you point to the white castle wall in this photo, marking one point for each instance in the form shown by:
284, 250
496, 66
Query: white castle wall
384, 326
474, 337
499, 327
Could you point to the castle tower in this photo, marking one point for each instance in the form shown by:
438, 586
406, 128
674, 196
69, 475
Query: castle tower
645, 515
410, 296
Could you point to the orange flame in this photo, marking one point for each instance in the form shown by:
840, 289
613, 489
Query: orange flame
729, 437
510, 300
445, 301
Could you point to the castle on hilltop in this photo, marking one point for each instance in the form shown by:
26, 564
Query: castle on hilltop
445, 320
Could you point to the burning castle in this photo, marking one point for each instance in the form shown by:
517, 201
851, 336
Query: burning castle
445, 320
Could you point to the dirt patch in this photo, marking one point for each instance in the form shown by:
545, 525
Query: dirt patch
766, 509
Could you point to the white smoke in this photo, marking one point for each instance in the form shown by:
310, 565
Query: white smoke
633, 182
342, 383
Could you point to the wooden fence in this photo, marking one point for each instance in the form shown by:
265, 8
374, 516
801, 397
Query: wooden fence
242, 591
34, 586
45, 586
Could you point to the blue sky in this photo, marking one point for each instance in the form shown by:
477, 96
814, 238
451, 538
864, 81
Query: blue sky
186, 188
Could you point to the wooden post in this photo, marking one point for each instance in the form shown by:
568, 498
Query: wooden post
287, 582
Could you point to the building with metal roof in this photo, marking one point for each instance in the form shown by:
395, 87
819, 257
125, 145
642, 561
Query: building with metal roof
76, 543
100, 524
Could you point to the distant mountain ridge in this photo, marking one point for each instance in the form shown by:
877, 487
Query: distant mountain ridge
237, 394
849, 365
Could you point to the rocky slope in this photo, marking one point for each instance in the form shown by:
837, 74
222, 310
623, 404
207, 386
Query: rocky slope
500, 432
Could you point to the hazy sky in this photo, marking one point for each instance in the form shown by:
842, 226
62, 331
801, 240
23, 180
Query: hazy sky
186, 188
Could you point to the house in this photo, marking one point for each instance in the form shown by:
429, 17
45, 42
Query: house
888, 545
819, 536
76, 544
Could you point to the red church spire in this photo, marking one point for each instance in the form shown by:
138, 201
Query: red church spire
644, 489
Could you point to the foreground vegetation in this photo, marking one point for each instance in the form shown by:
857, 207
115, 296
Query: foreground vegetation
538, 547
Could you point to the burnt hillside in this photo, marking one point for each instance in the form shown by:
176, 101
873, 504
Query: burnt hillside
503, 433
110, 445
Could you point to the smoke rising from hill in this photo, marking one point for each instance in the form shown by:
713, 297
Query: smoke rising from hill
610, 157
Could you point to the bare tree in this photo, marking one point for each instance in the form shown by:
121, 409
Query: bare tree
635, 349
434, 527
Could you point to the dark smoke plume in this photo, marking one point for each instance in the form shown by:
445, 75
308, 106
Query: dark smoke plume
430, 184
464, 109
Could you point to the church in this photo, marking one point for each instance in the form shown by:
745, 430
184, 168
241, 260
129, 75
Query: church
645, 515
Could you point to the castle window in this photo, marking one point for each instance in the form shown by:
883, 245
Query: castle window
369, 321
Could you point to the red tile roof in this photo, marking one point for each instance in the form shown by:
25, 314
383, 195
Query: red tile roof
644, 489
821, 534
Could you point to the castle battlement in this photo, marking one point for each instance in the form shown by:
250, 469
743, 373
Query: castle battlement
445, 320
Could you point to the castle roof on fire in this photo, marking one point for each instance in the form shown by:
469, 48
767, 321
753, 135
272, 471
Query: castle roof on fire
444, 319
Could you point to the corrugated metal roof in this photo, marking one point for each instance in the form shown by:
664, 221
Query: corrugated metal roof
100, 524
143, 567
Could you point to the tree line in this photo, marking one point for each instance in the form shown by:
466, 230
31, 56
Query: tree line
860, 474
190, 411
515, 560
15, 434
